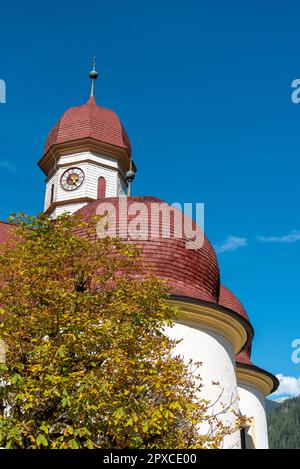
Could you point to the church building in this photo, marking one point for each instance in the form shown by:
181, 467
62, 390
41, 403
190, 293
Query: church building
88, 159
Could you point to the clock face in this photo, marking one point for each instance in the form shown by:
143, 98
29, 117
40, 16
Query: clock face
72, 179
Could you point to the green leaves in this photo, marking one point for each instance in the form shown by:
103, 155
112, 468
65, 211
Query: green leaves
73, 444
41, 440
66, 399
89, 444
60, 352
119, 413
16, 378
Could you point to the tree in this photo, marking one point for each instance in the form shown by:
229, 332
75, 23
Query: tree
87, 363
284, 424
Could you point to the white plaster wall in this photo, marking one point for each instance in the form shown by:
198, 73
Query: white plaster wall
253, 404
218, 365
115, 182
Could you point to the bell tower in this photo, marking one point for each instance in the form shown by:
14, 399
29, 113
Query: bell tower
87, 157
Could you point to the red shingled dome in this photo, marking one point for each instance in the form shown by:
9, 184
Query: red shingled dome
89, 121
189, 272
244, 356
229, 300
6, 232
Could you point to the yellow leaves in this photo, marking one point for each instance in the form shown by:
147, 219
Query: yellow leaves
129, 422
168, 414
68, 431
37, 368
175, 405
71, 336
145, 427
243, 421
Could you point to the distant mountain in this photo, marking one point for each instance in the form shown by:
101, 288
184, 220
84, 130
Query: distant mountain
284, 423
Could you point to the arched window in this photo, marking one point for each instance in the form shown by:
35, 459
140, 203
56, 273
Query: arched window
52, 194
101, 187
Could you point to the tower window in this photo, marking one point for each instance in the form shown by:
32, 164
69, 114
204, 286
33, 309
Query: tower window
52, 194
101, 188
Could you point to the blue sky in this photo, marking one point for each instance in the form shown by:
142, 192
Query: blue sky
204, 91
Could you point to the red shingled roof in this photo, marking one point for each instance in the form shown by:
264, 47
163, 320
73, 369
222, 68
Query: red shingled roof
189, 272
244, 355
229, 300
89, 120
5, 232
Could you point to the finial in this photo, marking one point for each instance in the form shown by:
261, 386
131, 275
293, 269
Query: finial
93, 76
130, 175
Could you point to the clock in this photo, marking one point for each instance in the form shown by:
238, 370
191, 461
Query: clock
72, 179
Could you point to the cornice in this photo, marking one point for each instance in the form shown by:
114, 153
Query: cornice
81, 145
59, 203
257, 377
230, 325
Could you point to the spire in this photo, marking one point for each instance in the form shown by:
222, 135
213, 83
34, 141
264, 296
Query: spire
93, 76
130, 175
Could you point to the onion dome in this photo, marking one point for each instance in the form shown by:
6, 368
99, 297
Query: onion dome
89, 121
190, 273
230, 301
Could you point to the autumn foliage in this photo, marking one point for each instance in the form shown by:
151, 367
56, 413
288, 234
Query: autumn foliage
87, 363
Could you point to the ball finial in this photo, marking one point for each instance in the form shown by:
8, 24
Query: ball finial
93, 74
130, 175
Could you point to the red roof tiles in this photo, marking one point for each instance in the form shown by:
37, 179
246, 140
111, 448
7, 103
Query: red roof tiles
244, 355
89, 120
5, 232
189, 272
229, 300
